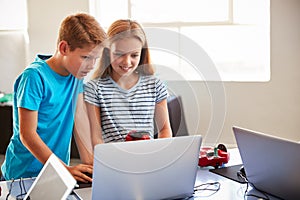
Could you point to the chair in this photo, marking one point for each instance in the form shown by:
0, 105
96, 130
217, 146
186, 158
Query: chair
176, 117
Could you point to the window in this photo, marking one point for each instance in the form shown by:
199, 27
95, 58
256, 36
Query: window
212, 40
13, 15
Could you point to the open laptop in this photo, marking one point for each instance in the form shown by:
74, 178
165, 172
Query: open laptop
271, 163
145, 169
53, 182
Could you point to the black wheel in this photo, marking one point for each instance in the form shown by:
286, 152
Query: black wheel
222, 147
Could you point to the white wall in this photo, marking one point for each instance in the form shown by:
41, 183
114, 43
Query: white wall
13, 57
272, 107
13, 42
44, 18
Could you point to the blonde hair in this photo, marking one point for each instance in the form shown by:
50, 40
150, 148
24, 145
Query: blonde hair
118, 30
81, 30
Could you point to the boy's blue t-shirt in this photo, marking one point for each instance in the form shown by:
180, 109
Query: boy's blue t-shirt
54, 97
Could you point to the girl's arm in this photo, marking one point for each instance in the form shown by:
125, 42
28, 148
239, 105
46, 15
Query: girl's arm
95, 123
162, 119
82, 133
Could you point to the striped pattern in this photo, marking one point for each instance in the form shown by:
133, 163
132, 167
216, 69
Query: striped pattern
125, 110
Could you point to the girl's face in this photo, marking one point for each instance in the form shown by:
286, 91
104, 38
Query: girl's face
125, 56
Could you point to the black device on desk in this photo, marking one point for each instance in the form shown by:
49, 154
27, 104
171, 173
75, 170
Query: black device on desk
231, 172
85, 184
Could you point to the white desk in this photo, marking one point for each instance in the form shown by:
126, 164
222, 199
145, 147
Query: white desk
229, 189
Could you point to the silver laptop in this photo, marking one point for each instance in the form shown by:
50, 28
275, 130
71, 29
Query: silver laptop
146, 169
271, 163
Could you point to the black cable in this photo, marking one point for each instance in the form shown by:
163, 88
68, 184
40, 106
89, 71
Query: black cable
10, 188
22, 186
206, 187
241, 175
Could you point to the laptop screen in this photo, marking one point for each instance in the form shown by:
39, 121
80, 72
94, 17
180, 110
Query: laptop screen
270, 162
147, 169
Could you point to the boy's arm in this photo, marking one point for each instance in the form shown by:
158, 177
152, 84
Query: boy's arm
33, 142
29, 136
162, 119
82, 133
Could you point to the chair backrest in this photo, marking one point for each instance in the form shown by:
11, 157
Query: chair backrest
176, 116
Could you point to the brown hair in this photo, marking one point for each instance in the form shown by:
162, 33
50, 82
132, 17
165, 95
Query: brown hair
121, 29
80, 30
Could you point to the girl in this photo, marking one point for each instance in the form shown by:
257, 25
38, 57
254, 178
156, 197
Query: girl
124, 95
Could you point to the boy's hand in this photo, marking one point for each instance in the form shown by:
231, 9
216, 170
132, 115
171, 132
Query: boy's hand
81, 172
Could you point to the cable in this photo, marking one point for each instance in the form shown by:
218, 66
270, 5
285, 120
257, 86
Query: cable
22, 186
241, 175
214, 187
10, 188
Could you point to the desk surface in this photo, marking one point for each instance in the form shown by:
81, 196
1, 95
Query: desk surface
228, 189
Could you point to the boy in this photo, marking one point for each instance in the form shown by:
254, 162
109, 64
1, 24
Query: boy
45, 98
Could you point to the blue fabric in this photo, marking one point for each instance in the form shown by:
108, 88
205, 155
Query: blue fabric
54, 97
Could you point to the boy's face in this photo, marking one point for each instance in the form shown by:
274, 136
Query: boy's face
82, 60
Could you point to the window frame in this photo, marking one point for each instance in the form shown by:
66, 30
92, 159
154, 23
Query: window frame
230, 22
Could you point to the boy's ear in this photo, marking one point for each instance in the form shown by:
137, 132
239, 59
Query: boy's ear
63, 47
